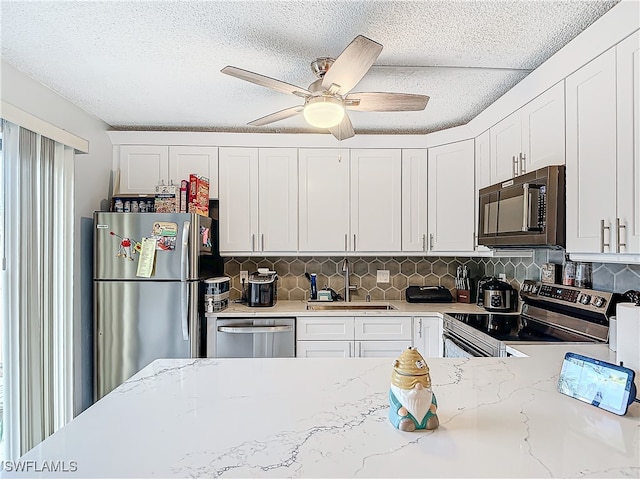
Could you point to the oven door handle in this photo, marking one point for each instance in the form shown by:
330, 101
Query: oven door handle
464, 345
255, 329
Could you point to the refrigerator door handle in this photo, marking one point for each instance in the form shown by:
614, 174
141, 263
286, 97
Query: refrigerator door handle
184, 310
184, 259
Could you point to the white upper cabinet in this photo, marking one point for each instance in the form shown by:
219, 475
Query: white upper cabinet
199, 160
451, 193
543, 137
278, 199
628, 137
530, 138
591, 155
238, 200
376, 200
258, 200
143, 167
414, 200
324, 200
483, 178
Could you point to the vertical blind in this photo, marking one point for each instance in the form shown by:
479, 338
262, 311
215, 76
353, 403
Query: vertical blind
37, 287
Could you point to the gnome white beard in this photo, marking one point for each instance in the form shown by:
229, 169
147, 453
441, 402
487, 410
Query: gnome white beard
416, 401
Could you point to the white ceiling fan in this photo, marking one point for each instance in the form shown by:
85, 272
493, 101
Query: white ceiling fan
327, 98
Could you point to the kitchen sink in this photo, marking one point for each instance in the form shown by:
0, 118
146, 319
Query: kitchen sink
350, 306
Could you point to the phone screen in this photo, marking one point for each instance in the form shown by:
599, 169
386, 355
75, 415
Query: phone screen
596, 382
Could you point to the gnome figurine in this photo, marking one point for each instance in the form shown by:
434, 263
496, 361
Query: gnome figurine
412, 402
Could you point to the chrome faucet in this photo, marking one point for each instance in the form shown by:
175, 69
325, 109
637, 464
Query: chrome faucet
345, 270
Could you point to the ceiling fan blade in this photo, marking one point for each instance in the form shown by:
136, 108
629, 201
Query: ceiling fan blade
381, 101
266, 81
352, 64
277, 116
344, 129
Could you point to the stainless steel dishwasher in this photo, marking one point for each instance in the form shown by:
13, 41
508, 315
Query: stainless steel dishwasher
251, 337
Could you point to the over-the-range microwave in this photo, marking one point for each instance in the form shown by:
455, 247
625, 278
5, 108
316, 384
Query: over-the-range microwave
526, 211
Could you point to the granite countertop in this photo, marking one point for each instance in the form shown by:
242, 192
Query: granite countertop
299, 308
499, 417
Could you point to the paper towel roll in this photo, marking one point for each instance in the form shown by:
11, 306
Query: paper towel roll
628, 337
613, 333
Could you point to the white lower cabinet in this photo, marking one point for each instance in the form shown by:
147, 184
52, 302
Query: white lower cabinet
427, 336
340, 336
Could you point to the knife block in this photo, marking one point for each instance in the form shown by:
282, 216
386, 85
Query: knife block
463, 295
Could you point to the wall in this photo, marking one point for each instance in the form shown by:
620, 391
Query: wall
92, 174
405, 271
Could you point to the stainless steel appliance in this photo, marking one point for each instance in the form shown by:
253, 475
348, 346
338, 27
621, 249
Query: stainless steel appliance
499, 296
251, 337
139, 315
550, 313
528, 210
262, 288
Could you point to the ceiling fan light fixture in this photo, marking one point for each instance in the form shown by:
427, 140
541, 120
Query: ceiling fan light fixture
323, 111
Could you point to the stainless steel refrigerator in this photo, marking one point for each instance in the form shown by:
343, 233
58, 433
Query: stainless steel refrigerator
147, 297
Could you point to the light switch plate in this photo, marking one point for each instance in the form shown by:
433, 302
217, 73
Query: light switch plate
383, 276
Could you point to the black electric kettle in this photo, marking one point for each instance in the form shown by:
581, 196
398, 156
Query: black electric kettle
498, 296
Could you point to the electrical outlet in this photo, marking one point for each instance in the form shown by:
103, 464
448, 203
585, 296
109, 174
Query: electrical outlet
382, 276
244, 276
502, 276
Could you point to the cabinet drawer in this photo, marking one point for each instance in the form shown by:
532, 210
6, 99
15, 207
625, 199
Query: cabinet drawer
324, 349
380, 349
325, 328
383, 328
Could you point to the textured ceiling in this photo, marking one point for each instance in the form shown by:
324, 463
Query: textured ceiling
156, 65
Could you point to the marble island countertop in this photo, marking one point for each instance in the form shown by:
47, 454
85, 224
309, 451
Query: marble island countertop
499, 417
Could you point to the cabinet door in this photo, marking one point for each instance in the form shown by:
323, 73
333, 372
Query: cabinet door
238, 200
451, 197
506, 145
628, 94
324, 200
324, 349
201, 160
591, 155
142, 168
380, 349
427, 336
375, 200
414, 200
543, 130
278, 199
483, 179
383, 328
329, 328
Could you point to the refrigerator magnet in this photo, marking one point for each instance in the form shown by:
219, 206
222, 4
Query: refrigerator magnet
166, 235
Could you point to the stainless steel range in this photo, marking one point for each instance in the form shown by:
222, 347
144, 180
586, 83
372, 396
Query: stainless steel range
550, 313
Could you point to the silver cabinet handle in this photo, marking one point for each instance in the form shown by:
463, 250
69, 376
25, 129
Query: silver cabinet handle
618, 228
345, 242
262, 241
431, 241
424, 242
253, 242
523, 163
254, 329
354, 242
602, 243
359, 349
349, 349
514, 166
420, 328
